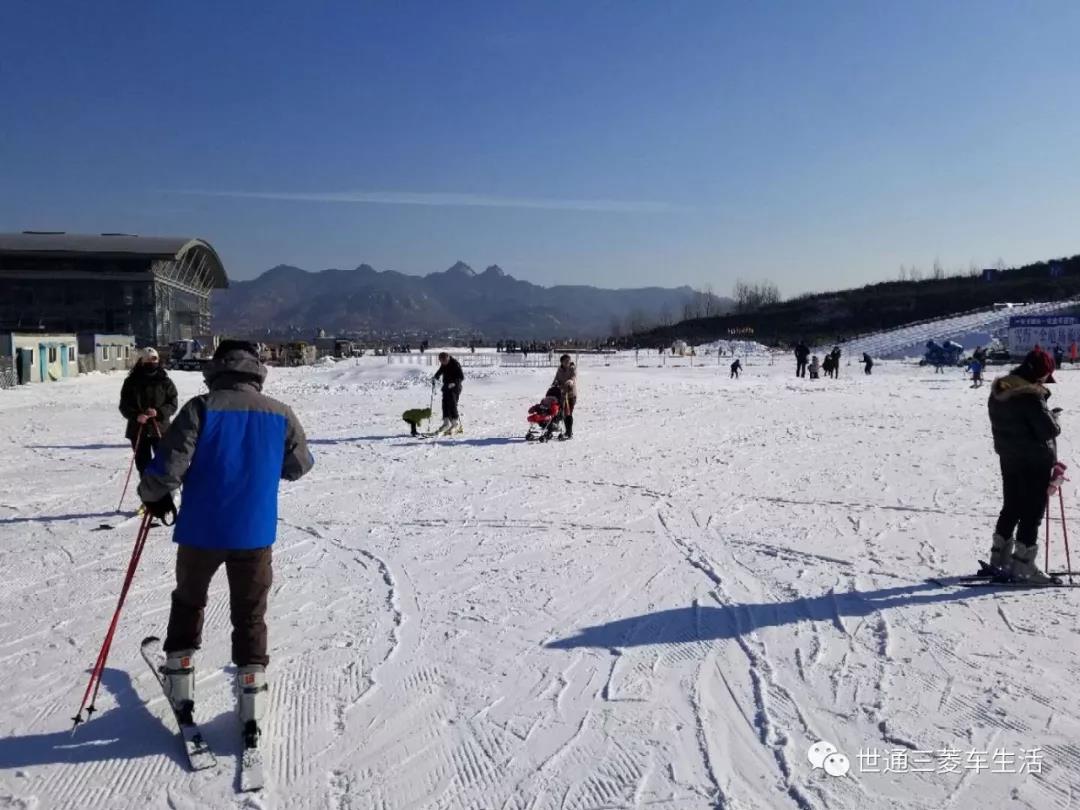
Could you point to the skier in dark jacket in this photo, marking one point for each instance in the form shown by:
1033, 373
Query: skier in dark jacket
802, 353
229, 448
1025, 438
736, 367
868, 363
452, 378
836, 362
148, 401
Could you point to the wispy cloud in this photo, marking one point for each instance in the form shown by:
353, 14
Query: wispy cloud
447, 199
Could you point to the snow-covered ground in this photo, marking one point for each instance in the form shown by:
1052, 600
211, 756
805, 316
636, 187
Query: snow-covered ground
665, 612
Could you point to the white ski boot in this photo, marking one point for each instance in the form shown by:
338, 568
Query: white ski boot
455, 427
444, 428
1024, 568
179, 672
252, 697
1001, 552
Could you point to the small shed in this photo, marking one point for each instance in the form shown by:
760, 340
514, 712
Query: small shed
102, 352
40, 356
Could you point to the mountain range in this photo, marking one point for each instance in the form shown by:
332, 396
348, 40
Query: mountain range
288, 300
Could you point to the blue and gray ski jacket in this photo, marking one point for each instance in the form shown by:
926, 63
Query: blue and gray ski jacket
229, 448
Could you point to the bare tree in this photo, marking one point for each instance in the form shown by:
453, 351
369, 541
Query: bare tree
939, 270
749, 297
665, 316
903, 273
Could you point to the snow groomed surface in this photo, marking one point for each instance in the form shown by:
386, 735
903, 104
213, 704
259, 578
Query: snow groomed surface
667, 611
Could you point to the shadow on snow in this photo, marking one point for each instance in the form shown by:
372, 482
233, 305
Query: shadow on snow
127, 730
709, 623
62, 518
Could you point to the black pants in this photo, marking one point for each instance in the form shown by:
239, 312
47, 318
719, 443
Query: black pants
147, 448
1024, 487
449, 402
800, 368
568, 415
250, 575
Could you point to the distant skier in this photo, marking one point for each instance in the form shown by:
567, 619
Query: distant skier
452, 378
836, 362
868, 363
148, 400
801, 353
1025, 434
1059, 356
980, 355
976, 369
1074, 353
566, 381
815, 367
736, 367
228, 448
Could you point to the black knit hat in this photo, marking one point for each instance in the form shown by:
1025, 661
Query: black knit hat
227, 346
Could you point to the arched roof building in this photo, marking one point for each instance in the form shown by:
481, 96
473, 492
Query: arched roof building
156, 288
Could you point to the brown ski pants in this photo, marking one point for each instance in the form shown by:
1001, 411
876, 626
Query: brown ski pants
250, 575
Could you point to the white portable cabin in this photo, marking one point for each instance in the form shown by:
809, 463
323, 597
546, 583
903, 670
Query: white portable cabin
41, 357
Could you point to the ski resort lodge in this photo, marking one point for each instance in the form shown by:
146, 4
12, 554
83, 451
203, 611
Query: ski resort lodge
156, 289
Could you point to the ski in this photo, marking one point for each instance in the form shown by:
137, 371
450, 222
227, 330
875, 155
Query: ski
198, 752
251, 767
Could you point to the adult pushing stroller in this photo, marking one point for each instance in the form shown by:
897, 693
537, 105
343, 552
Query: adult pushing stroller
546, 417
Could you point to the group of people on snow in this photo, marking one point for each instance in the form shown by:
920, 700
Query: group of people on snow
230, 447
831, 364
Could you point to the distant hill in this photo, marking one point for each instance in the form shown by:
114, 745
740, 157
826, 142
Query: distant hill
839, 316
459, 300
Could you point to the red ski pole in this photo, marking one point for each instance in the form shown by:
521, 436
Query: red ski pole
131, 466
1065, 534
99, 666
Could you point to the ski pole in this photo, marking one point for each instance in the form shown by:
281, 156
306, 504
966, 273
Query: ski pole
99, 666
1046, 566
431, 404
1065, 534
131, 466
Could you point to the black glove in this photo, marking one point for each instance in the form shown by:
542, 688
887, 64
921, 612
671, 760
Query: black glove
162, 509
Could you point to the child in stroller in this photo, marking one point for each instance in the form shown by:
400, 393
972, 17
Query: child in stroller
545, 417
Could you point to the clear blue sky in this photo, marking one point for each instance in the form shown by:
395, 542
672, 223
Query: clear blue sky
619, 143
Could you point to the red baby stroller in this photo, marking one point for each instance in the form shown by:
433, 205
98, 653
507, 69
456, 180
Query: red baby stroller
545, 417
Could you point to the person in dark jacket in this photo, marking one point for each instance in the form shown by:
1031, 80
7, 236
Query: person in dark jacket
802, 353
1025, 438
736, 368
836, 362
452, 377
229, 448
148, 401
868, 363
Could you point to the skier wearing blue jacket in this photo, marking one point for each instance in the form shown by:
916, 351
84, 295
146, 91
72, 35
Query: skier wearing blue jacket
228, 448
